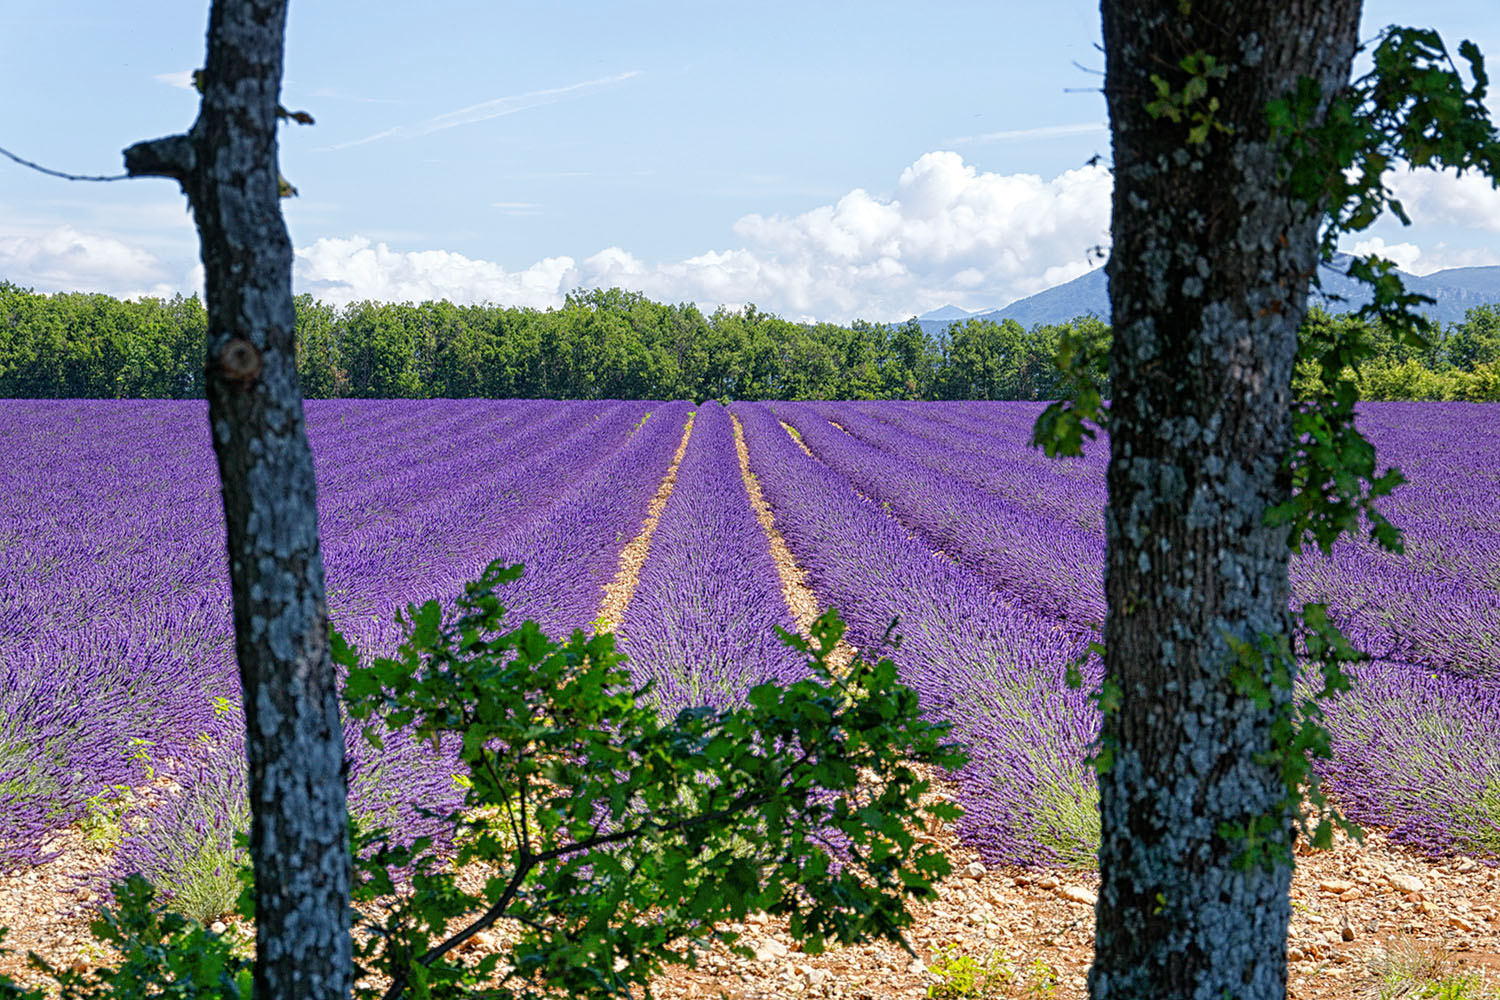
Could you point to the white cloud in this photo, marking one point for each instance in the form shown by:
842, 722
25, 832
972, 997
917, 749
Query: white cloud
63, 259
1442, 256
947, 233
1403, 255
342, 271
1040, 132
182, 79
1434, 198
1417, 260
486, 110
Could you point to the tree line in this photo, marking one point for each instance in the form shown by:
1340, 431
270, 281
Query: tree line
616, 344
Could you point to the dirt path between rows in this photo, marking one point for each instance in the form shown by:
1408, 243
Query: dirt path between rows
800, 599
618, 592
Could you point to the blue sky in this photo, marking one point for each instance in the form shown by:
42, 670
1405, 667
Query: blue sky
820, 159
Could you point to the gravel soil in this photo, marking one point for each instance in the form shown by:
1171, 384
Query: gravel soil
1351, 905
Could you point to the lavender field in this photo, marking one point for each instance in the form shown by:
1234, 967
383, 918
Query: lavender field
118, 692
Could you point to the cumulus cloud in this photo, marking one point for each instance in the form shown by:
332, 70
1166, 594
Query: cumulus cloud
946, 233
1403, 255
1418, 260
1441, 198
348, 270
64, 259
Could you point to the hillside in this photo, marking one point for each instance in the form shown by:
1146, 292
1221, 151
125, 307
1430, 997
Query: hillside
1456, 290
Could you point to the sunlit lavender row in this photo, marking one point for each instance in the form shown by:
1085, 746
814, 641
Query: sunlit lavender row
701, 623
989, 665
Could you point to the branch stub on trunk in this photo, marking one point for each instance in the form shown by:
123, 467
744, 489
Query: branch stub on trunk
239, 360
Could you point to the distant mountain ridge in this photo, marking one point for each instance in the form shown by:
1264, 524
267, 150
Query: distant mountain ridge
1455, 289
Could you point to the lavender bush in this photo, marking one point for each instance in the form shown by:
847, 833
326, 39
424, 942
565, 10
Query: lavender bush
1431, 616
1033, 559
993, 668
116, 648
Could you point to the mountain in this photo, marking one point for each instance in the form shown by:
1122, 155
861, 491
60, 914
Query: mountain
1485, 280
1085, 295
1456, 290
947, 313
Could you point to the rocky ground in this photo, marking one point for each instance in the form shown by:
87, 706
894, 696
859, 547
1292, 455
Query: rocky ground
1356, 909
1353, 908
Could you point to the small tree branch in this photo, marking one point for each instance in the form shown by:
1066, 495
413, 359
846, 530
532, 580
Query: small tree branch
484, 920
171, 156
58, 173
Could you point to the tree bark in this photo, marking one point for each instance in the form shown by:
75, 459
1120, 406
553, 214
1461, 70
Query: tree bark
227, 167
1208, 281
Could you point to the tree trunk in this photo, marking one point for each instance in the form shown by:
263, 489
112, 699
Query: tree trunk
1208, 282
293, 736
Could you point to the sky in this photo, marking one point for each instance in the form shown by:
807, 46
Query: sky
823, 160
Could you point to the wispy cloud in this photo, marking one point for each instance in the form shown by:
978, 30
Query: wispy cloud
545, 175
1041, 132
486, 110
330, 94
182, 79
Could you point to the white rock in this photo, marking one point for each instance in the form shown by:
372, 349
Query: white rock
1406, 883
1078, 894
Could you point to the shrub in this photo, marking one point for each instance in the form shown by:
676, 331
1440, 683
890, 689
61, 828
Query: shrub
617, 838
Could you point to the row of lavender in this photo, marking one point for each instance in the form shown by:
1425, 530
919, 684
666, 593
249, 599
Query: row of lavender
115, 650
1417, 744
701, 623
1037, 530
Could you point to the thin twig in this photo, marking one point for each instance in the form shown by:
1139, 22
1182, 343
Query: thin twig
59, 173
